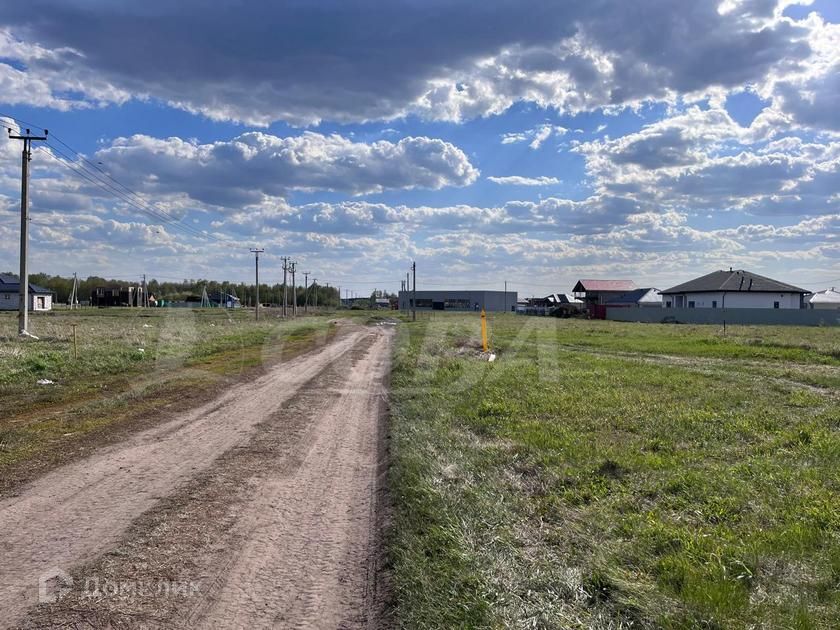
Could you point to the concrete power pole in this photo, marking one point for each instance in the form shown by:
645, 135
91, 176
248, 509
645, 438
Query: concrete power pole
285, 269
144, 302
292, 268
74, 294
26, 157
414, 291
257, 251
306, 291
315, 292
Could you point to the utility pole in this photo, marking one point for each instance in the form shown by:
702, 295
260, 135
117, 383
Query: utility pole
315, 292
144, 303
256, 251
26, 157
74, 294
414, 290
285, 269
292, 268
505, 296
306, 291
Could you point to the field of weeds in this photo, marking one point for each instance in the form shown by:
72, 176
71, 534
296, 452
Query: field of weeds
610, 475
127, 365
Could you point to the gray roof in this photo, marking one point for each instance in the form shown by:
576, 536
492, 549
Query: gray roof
737, 280
829, 296
14, 287
634, 297
10, 284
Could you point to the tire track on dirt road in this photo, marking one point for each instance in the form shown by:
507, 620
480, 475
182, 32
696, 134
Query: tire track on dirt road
310, 533
72, 515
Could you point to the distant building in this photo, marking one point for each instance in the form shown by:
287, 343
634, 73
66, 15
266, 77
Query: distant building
459, 300
599, 292
828, 299
639, 298
40, 299
550, 304
596, 293
224, 300
116, 296
734, 289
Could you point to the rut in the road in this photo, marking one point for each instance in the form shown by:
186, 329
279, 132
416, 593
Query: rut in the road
95, 501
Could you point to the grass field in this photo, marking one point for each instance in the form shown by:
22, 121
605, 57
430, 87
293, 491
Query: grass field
129, 366
610, 475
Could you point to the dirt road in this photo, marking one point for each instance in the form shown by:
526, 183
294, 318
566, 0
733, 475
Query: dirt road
258, 509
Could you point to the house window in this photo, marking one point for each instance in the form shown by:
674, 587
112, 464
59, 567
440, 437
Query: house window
667, 303
714, 303
775, 305
691, 304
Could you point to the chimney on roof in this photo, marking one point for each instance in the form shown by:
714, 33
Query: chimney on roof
730, 270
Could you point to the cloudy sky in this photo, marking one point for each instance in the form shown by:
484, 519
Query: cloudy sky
536, 142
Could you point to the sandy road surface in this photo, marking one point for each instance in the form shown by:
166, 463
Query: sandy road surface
293, 456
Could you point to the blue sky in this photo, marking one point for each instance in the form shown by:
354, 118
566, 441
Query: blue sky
489, 142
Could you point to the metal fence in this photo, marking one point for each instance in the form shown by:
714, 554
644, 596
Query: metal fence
777, 317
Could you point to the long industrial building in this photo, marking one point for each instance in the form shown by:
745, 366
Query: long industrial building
460, 300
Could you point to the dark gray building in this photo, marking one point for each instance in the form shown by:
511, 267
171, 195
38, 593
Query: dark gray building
460, 300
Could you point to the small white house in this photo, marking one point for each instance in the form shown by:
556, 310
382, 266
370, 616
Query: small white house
40, 299
828, 299
734, 289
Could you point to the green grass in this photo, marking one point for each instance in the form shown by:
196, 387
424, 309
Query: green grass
600, 474
131, 363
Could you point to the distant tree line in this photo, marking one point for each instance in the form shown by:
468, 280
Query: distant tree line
177, 291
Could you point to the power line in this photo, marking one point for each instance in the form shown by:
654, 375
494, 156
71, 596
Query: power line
98, 176
124, 191
146, 209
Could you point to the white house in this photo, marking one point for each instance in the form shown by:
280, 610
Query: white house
40, 299
828, 299
734, 289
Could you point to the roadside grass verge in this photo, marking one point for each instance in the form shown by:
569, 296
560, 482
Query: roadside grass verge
560, 488
113, 386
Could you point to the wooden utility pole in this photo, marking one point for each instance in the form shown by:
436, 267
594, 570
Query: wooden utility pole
257, 251
26, 157
414, 291
306, 291
315, 292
